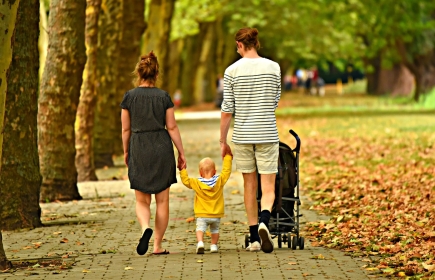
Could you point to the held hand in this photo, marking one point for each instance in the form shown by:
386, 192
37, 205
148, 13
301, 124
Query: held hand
182, 164
225, 150
126, 159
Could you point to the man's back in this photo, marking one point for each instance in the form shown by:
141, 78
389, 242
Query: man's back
252, 88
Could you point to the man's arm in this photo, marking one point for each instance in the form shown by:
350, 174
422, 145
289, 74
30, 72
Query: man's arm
225, 126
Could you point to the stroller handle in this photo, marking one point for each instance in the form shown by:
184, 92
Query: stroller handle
298, 141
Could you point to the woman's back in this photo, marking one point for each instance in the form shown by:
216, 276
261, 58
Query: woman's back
147, 107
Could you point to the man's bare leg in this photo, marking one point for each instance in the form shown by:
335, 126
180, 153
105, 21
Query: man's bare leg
267, 199
251, 205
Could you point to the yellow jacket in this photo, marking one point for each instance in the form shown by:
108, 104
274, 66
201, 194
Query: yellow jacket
209, 201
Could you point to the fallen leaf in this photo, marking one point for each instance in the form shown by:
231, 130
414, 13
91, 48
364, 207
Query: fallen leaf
86, 271
292, 263
64, 240
428, 267
199, 261
128, 268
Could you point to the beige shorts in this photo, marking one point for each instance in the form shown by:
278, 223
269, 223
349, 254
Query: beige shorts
261, 157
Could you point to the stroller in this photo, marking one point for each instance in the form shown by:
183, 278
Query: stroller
284, 221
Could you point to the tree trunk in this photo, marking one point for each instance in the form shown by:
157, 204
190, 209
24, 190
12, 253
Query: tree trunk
132, 29
373, 76
205, 75
395, 81
189, 63
422, 66
156, 37
43, 37
108, 57
20, 179
7, 26
84, 160
4, 263
59, 98
175, 62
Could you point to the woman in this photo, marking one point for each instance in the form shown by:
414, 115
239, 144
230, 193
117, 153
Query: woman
253, 86
148, 149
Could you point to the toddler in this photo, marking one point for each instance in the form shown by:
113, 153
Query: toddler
209, 199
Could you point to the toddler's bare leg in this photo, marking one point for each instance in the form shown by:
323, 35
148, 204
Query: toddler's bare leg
199, 235
214, 238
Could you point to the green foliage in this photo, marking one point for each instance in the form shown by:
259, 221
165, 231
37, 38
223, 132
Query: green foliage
189, 13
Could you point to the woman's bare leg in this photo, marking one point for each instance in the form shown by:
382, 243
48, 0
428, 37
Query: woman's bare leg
143, 201
162, 218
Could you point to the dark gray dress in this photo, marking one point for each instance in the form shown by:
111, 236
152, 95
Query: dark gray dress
151, 160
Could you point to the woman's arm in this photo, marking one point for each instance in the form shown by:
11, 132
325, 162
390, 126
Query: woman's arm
126, 133
172, 127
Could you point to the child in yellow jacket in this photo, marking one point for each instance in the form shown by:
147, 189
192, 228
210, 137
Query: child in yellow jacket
209, 199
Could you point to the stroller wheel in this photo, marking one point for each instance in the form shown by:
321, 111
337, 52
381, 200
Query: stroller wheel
294, 242
289, 240
301, 243
246, 241
279, 241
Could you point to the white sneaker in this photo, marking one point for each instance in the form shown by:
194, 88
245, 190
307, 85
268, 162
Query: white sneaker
266, 239
213, 248
200, 248
254, 247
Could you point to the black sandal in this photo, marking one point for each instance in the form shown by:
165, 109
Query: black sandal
142, 247
162, 253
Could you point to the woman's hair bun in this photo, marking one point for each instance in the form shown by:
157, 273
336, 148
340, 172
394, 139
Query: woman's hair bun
248, 37
252, 33
152, 55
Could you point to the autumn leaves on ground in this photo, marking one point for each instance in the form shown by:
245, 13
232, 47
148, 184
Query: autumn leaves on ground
371, 167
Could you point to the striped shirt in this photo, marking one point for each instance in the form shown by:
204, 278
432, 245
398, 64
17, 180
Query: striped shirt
209, 182
252, 88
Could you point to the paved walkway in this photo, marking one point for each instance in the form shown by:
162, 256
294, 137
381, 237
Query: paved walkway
96, 237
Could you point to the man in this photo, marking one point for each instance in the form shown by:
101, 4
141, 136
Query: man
252, 88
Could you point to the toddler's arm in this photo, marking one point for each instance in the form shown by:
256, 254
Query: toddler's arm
226, 168
185, 178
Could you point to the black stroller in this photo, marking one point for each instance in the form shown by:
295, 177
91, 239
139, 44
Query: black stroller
284, 221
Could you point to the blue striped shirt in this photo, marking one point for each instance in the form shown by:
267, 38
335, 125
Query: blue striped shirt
209, 182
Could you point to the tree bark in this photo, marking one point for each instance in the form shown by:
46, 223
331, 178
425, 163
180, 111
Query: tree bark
175, 62
4, 263
132, 29
373, 76
205, 75
108, 57
59, 98
189, 63
20, 179
43, 37
84, 160
422, 66
156, 37
395, 81
8, 19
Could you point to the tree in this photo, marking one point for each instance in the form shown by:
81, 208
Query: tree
9, 15
20, 180
85, 112
156, 36
59, 98
132, 29
108, 97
